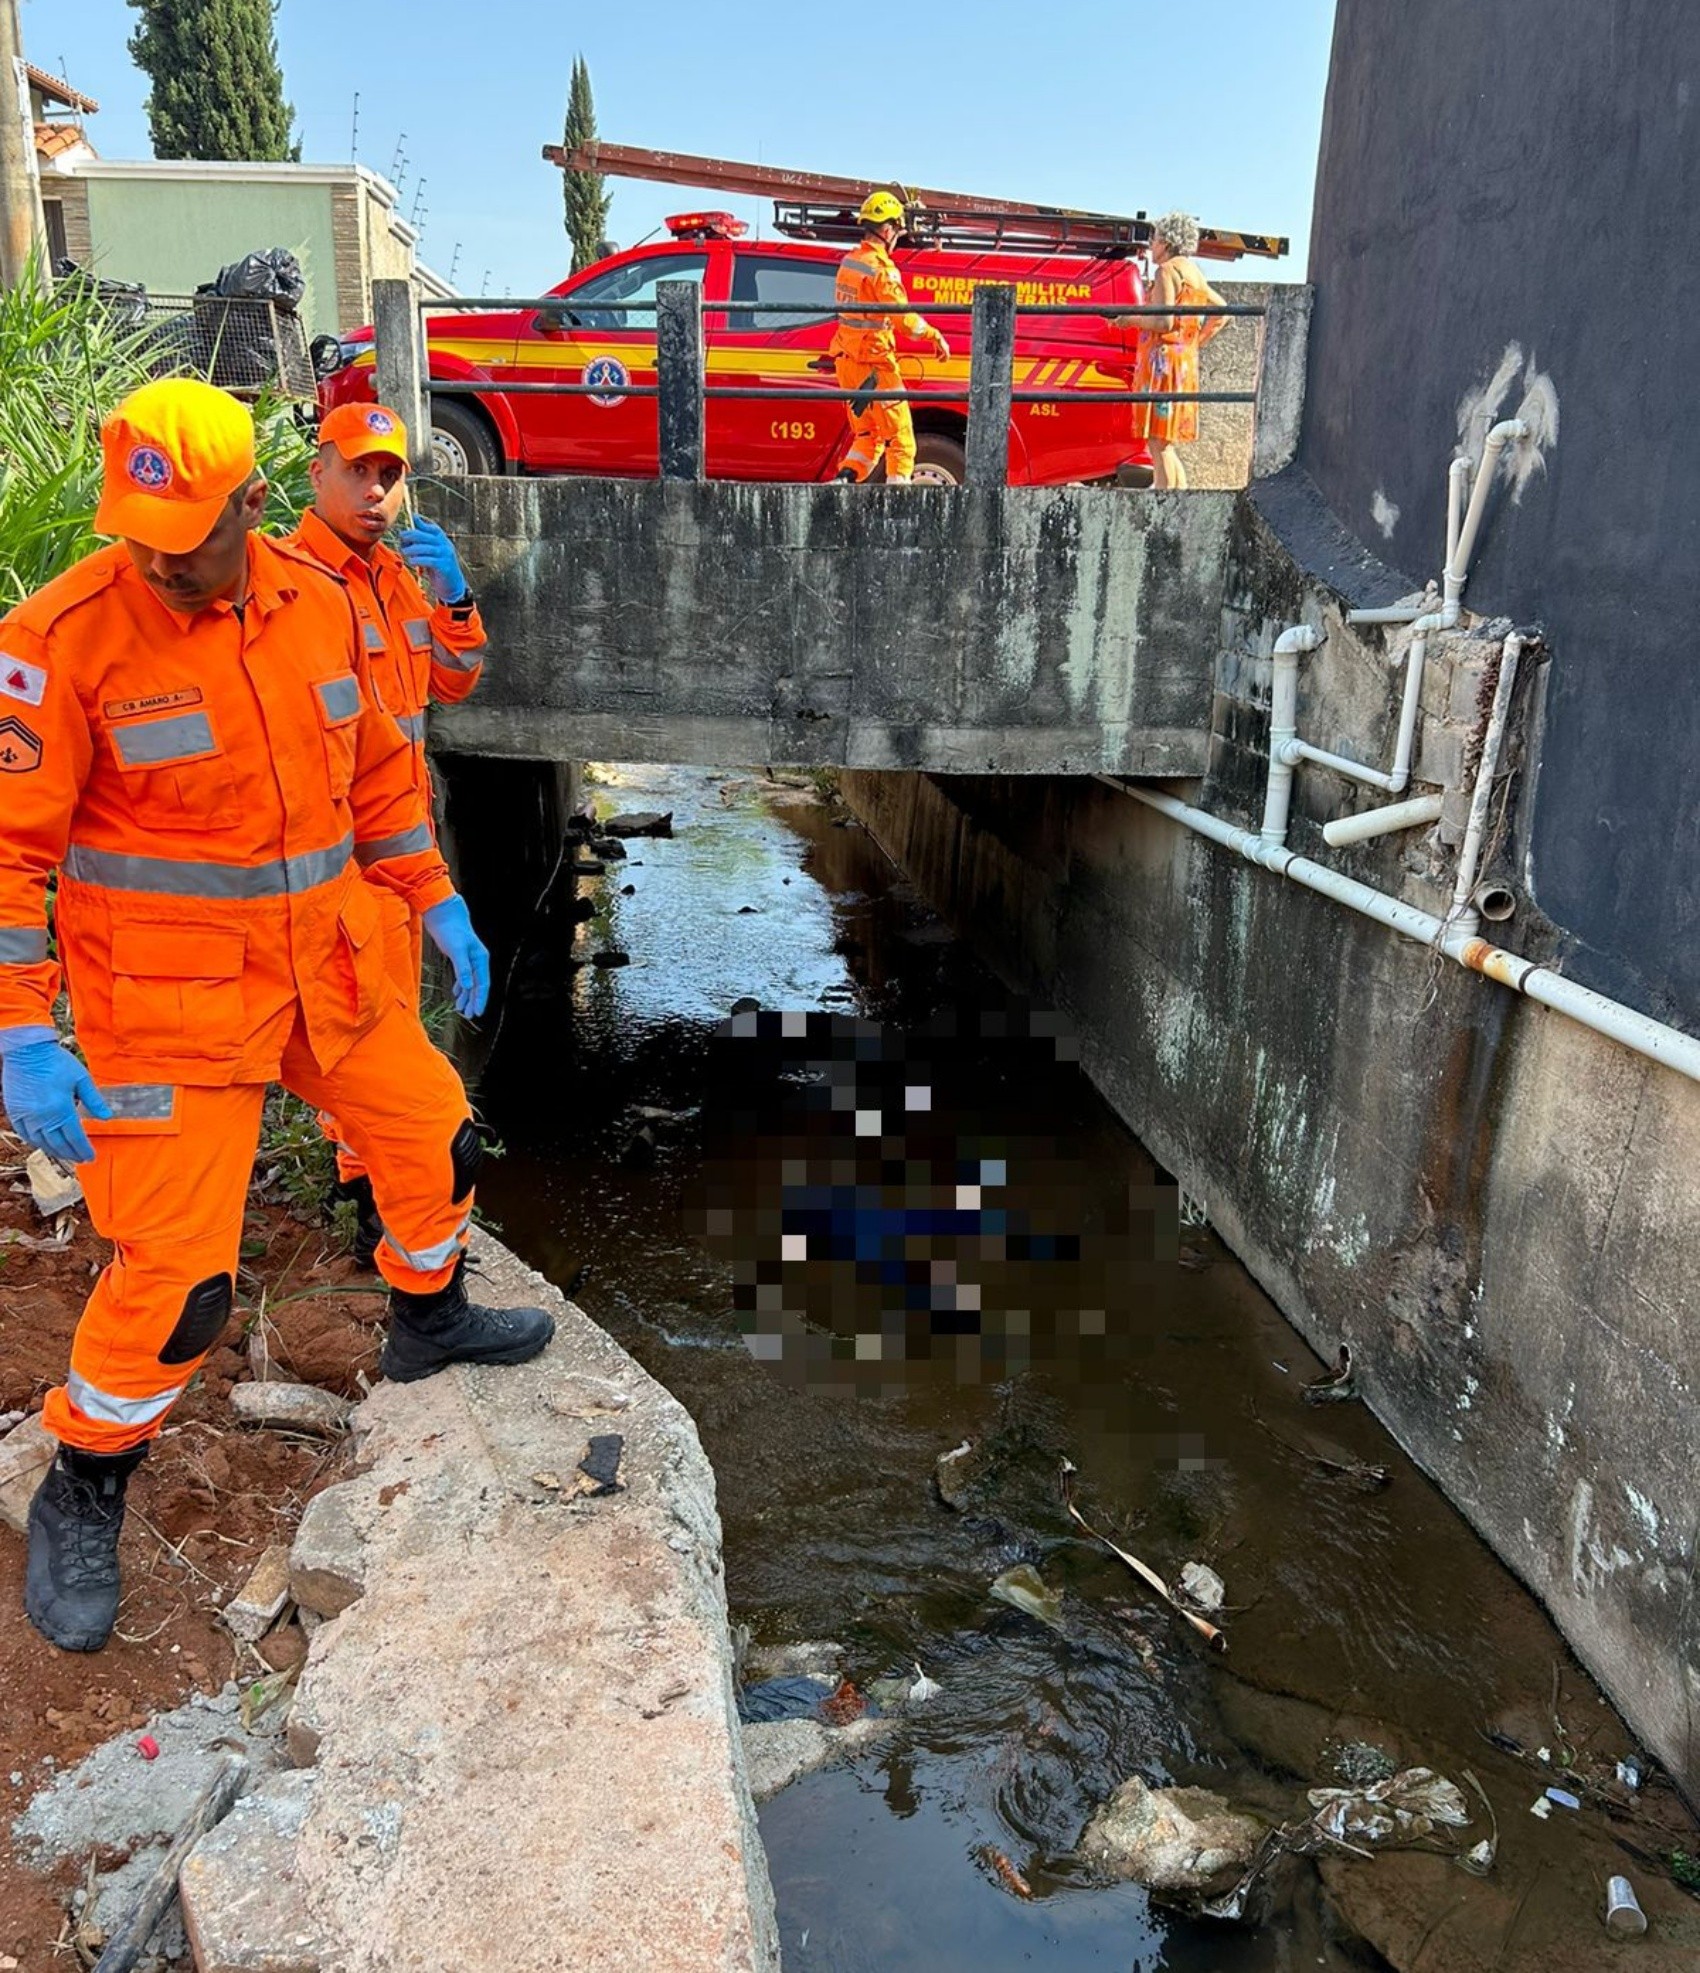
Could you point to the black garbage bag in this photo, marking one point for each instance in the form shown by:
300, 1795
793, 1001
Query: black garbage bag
273, 276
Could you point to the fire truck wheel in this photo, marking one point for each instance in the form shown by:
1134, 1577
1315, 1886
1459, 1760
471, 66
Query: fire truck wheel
939, 460
460, 441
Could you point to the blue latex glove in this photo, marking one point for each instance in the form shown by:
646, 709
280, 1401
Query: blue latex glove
425, 547
449, 926
42, 1083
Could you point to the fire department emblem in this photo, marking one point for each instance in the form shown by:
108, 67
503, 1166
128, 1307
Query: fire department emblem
610, 379
149, 468
380, 422
20, 748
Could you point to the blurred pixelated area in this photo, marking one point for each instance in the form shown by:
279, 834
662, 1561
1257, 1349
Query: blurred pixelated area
867, 1206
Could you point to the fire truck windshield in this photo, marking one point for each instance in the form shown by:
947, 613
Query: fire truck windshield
587, 306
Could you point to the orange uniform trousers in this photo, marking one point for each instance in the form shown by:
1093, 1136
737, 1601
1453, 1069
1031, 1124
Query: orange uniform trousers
881, 428
404, 960
168, 1186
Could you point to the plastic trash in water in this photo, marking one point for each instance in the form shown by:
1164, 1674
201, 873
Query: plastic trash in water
1630, 1772
1563, 1798
1624, 1917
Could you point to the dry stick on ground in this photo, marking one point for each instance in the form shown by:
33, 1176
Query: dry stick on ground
136, 1927
1211, 1635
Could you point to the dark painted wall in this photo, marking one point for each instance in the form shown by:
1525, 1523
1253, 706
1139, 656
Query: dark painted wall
1528, 171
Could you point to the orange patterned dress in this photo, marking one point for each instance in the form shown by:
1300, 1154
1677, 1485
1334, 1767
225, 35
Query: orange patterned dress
1169, 360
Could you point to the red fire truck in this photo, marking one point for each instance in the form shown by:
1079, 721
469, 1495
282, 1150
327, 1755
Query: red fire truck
592, 330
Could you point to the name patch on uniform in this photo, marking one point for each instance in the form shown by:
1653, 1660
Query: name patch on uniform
20, 747
19, 680
155, 702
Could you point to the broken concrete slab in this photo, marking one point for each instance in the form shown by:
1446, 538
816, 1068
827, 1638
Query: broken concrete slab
117, 1804
327, 1561
291, 1408
522, 1687
26, 1452
642, 822
815, 1657
259, 1603
778, 1752
242, 1907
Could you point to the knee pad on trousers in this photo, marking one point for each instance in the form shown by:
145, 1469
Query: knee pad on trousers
206, 1309
466, 1159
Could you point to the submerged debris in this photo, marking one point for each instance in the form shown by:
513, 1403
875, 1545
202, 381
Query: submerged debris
1208, 1631
1202, 1588
1335, 1386
1006, 1873
1025, 1589
1402, 1809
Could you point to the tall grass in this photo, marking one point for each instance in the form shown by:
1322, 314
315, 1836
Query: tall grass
66, 358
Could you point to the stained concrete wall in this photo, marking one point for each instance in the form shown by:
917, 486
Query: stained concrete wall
1493, 1206
959, 629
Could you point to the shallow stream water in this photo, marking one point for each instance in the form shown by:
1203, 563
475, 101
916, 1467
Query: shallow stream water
888, 1214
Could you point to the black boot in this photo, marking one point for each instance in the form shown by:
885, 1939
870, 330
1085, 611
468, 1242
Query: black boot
429, 1332
71, 1588
368, 1228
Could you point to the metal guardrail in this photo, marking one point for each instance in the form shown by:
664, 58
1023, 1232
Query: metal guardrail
681, 389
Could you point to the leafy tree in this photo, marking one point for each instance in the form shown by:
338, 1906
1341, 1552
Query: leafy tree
586, 194
217, 88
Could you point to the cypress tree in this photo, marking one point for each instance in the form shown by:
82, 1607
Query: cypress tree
217, 88
585, 192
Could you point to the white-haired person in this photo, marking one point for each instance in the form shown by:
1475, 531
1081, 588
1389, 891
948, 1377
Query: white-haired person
1168, 345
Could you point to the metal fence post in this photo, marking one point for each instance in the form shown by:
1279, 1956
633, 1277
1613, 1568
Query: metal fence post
398, 332
990, 381
1279, 410
679, 377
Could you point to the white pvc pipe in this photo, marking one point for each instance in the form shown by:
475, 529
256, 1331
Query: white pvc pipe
1458, 565
1464, 913
1383, 821
1296, 750
1457, 485
1394, 613
1611, 1018
1283, 725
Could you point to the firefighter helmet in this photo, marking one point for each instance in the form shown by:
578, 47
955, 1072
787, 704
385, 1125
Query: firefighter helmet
881, 209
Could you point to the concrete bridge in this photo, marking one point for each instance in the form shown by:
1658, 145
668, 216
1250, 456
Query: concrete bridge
975, 629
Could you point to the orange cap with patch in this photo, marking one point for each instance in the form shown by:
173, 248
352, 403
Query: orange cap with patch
174, 452
358, 429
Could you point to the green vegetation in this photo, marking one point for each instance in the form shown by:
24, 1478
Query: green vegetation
1685, 1869
586, 192
67, 358
217, 89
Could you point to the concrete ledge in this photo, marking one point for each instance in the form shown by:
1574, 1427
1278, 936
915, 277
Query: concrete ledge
522, 1721
1056, 630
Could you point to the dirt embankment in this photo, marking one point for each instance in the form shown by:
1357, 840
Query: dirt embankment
211, 1497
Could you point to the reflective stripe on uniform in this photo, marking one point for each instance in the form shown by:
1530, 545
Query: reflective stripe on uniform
457, 660
141, 1102
153, 741
161, 876
417, 631
409, 843
95, 1403
860, 267
412, 724
374, 637
340, 697
23, 945
429, 1259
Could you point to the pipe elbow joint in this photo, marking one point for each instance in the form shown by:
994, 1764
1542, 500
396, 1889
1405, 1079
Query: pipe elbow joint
1297, 640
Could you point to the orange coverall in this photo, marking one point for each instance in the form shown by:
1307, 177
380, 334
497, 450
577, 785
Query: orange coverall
210, 789
870, 296
419, 650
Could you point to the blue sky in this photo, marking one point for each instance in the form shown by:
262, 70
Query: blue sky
1064, 101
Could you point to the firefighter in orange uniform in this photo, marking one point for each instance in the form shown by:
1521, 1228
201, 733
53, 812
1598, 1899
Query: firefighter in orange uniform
190, 739
421, 646
872, 307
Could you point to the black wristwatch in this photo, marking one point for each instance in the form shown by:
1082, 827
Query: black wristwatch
462, 609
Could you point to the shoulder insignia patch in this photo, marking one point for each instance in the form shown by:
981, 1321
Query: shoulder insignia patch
20, 680
20, 747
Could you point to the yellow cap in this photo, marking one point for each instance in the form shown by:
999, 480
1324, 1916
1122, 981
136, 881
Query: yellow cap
174, 452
